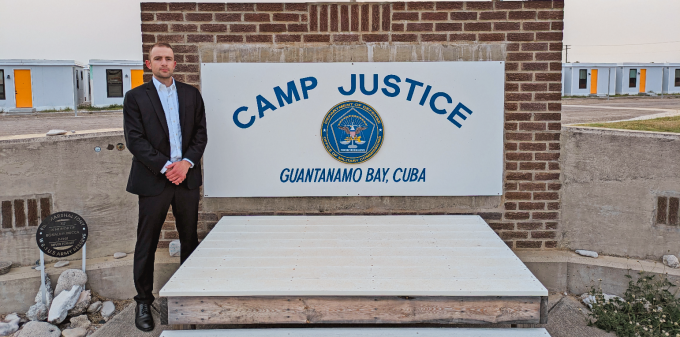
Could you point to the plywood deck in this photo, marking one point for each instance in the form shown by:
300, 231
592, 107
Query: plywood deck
353, 256
361, 332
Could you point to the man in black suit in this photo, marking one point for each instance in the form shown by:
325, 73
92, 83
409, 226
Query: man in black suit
165, 131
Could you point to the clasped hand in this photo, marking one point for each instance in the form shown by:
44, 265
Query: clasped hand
177, 171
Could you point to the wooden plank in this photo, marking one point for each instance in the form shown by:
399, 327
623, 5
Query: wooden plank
353, 310
361, 332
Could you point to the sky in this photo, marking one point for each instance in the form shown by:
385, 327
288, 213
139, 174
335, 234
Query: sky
595, 30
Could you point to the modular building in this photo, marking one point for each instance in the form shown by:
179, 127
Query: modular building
111, 79
37, 85
584, 79
671, 78
639, 78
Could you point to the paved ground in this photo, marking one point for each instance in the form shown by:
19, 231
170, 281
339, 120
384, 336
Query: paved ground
585, 110
42, 122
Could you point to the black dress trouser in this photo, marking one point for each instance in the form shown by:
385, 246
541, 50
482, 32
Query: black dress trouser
152, 213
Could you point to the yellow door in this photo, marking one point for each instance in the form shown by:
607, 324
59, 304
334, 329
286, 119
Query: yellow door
643, 80
22, 88
593, 82
136, 78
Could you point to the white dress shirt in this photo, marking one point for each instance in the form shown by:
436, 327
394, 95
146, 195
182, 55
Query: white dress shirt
170, 102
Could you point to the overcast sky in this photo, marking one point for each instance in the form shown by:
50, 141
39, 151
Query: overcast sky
596, 30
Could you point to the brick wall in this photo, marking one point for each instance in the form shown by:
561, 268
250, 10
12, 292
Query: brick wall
528, 213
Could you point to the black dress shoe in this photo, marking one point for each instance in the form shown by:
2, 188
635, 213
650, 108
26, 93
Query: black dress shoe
143, 318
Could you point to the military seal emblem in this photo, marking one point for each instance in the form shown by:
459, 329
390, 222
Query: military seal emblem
352, 132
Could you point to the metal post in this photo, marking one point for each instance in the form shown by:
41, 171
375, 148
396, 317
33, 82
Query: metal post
75, 89
84, 247
43, 289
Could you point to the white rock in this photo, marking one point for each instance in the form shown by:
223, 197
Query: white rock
56, 132
62, 304
49, 292
108, 308
671, 261
39, 329
37, 312
82, 303
589, 299
70, 278
119, 255
10, 326
80, 322
61, 264
94, 307
174, 248
588, 253
77, 332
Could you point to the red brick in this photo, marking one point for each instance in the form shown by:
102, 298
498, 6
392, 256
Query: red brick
286, 17
531, 206
256, 17
554, 106
375, 18
551, 15
448, 27
317, 38
519, 136
547, 96
528, 244
510, 186
553, 206
335, 19
546, 196
553, 36
522, 15
534, 46
512, 47
462, 37
199, 38
345, 38
509, 206
398, 6
554, 87
258, 38
198, 17
296, 7
554, 186
547, 176
554, 166
547, 156
511, 107
554, 126
551, 225
186, 68
170, 235
520, 36
477, 26
163, 244
297, 27
520, 57
313, 18
419, 6
510, 146
365, 19
170, 17
529, 225
240, 7
511, 87
397, 27
538, 4
509, 97
170, 38
323, 18
514, 234
288, 38
386, 17
226, 17
147, 27
532, 166
433, 37
557, 26
532, 147
375, 37
517, 215
541, 136
272, 28
242, 28
518, 77
463, 15
532, 186
533, 106
344, 18
514, 156
355, 18
518, 176
210, 7
519, 196
506, 26
214, 28
557, 46
534, 86
508, 5
532, 126
147, 17
404, 37
435, 16
412, 16
190, 58
449, 5
229, 38
151, 6
493, 16
548, 77
536, 25
545, 215
269, 7
548, 56
479, 5
502, 226
183, 28
419, 27
148, 38
183, 6
492, 37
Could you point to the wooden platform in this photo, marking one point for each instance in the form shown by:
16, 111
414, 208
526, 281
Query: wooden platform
353, 269
359, 332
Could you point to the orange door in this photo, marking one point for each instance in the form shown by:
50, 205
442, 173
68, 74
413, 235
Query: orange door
22, 88
136, 78
643, 80
593, 82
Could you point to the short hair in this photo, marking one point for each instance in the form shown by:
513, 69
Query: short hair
160, 44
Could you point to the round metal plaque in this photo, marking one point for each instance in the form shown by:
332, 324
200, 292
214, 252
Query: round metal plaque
61, 234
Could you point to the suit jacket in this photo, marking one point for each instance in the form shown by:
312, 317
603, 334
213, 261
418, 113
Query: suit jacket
147, 136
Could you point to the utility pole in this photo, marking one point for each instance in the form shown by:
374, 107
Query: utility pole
566, 48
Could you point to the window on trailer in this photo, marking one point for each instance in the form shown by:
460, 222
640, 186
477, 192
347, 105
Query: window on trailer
677, 77
2, 84
114, 82
632, 79
582, 79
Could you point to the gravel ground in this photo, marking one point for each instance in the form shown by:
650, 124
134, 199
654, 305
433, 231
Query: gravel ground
42, 122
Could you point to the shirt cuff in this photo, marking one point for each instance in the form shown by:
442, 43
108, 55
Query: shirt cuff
165, 168
190, 162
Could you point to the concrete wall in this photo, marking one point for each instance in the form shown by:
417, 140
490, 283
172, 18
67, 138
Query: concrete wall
99, 93
53, 87
76, 178
611, 182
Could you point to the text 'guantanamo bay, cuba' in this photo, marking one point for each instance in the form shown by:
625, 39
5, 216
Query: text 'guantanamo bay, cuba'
392, 86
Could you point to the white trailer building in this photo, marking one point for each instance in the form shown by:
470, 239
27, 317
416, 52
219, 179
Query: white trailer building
671, 78
111, 79
639, 78
37, 85
584, 79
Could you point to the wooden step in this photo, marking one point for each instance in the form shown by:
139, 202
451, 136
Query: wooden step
353, 269
361, 332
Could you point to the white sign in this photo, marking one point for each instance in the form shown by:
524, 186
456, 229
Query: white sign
347, 129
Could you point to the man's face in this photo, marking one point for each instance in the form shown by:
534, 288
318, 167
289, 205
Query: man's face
161, 62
